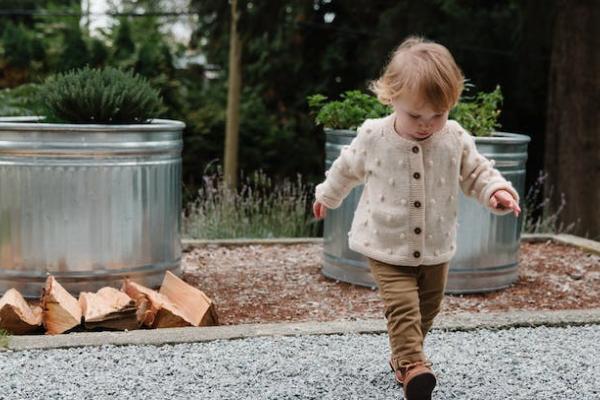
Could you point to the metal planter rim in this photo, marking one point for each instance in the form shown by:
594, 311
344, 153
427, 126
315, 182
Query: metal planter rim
28, 123
496, 137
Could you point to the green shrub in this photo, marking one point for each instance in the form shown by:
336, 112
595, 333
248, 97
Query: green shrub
261, 209
99, 96
17, 45
347, 113
19, 101
479, 114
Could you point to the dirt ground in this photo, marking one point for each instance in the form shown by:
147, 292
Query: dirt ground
276, 283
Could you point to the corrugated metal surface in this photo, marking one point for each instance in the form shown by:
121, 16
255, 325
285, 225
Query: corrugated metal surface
487, 253
88, 204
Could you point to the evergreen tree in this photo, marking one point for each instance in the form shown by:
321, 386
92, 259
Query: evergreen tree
123, 45
17, 46
75, 53
98, 53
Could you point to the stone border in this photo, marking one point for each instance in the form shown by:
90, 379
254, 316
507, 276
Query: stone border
159, 337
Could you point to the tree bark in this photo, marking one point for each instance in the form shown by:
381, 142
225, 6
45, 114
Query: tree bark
572, 151
233, 100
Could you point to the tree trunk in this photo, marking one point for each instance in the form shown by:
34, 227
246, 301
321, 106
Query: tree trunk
572, 151
233, 100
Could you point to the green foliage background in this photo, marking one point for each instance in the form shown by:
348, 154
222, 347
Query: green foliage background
291, 50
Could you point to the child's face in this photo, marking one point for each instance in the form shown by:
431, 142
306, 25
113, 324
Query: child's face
416, 119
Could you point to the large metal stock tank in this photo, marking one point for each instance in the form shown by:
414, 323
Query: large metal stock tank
488, 245
89, 204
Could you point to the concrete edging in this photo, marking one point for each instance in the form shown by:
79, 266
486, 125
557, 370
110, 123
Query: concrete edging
159, 337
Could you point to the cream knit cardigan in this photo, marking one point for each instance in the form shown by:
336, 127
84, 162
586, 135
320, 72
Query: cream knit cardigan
407, 214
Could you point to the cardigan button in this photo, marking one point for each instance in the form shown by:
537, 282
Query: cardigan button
417, 254
417, 230
416, 175
415, 149
417, 204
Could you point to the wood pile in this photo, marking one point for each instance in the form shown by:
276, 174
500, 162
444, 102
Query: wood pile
176, 304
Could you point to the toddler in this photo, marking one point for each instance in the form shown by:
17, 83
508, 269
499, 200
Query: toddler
412, 163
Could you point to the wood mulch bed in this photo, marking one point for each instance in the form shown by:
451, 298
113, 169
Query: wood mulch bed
283, 283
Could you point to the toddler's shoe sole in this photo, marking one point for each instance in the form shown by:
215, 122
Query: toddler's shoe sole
420, 387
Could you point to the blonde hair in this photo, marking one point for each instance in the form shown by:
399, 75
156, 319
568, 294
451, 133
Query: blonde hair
424, 68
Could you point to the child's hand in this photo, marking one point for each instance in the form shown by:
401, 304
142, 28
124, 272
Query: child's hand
319, 210
503, 199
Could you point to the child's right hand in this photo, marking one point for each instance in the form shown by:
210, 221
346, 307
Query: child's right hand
319, 210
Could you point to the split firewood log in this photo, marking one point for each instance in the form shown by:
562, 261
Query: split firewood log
108, 308
60, 310
177, 304
197, 308
16, 316
153, 309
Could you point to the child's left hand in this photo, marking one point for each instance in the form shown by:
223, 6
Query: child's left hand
503, 199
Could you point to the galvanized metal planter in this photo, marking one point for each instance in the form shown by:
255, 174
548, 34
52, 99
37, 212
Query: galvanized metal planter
89, 204
488, 245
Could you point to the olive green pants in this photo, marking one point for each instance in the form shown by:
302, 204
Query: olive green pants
412, 297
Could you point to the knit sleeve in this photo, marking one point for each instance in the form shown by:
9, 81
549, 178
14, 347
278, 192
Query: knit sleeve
346, 172
479, 178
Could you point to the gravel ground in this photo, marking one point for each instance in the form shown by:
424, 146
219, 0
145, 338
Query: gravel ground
521, 363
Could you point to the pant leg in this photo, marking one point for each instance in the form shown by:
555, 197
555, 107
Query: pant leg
432, 282
399, 290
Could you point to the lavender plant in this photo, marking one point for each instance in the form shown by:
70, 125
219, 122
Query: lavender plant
538, 215
260, 209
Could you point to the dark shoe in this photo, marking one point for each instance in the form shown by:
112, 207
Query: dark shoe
417, 379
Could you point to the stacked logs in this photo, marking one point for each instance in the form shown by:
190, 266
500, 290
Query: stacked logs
176, 304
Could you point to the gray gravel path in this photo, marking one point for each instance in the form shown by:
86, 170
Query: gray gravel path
520, 363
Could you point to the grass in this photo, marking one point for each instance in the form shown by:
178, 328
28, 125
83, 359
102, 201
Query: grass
4, 336
538, 215
260, 209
